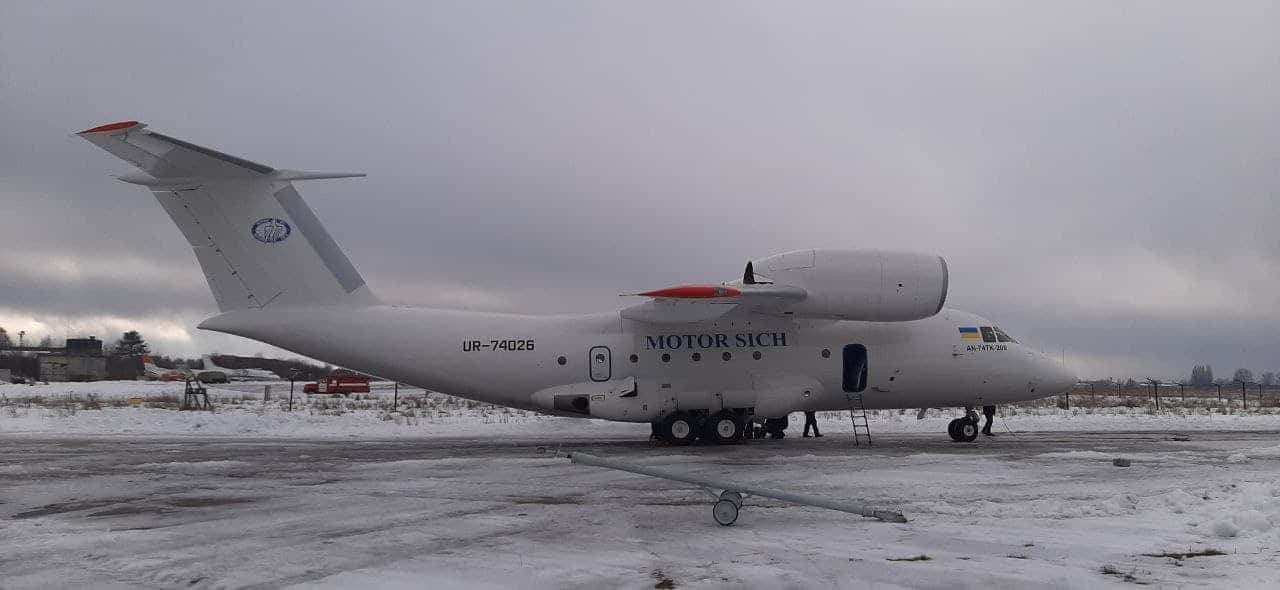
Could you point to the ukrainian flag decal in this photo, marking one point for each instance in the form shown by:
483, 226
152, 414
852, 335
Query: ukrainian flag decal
970, 334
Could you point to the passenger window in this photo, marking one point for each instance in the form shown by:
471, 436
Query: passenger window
855, 368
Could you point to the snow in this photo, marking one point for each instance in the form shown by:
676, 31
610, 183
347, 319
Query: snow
59, 409
349, 494
192, 467
453, 513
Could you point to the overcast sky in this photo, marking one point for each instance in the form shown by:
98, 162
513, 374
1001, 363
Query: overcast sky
1102, 177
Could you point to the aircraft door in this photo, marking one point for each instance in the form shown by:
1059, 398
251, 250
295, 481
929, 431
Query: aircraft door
854, 375
601, 363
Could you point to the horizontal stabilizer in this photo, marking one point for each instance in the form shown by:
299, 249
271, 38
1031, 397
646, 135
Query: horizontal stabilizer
163, 157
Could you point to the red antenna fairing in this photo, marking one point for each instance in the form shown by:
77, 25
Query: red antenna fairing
694, 292
110, 127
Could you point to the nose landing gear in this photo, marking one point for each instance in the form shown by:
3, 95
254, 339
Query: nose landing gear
964, 429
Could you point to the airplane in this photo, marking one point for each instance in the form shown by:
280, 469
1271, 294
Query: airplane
239, 374
207, 375
155, 373
808, 330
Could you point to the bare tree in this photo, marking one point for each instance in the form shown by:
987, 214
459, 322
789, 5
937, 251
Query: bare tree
1202, 375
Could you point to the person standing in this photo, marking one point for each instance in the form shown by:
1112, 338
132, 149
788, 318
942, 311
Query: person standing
811, 419
990, 413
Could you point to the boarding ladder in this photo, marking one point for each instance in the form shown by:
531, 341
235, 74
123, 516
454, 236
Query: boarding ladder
195, 396
858, 415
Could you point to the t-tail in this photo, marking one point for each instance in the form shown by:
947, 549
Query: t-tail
258, 242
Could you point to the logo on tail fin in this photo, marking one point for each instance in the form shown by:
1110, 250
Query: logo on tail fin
270, 230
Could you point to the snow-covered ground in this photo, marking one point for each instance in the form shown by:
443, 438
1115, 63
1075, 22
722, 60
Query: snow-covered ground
60, 408
458, 496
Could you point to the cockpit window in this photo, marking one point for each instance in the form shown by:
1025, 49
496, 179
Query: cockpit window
1002, 337
984, 333
988, 333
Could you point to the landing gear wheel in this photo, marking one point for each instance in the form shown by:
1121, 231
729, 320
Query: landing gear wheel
963, 429
776, 427
724, 428
732, 496
953, 429
725, 512
678, 429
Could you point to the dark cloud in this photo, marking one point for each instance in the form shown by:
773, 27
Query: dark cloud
1101, 178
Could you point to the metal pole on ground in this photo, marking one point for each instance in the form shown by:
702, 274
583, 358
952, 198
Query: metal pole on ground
291, 376
732, 491
395, 397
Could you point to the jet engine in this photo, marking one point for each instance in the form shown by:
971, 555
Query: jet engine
863, 285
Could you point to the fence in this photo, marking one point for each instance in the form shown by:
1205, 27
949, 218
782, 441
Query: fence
1161, 396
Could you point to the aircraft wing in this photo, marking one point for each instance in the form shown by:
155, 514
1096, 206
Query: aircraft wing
699, 303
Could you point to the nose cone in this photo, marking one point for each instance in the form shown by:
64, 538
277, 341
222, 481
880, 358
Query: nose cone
1055, 377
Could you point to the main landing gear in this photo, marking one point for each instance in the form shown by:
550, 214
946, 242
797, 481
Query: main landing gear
776, 427
682, 428
964, 429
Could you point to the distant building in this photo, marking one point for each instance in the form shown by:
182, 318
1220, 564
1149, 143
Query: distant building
80, 360
83, 347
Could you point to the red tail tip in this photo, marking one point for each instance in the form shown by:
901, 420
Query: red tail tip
110, 127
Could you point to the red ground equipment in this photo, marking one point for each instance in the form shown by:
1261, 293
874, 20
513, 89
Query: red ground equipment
339, 384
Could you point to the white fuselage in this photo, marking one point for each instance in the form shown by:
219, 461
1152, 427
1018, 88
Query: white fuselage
507, 359
810, 329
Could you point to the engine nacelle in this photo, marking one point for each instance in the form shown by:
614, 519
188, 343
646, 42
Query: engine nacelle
864, 285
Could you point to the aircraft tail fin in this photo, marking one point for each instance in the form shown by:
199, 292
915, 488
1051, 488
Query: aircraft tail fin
256, 240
